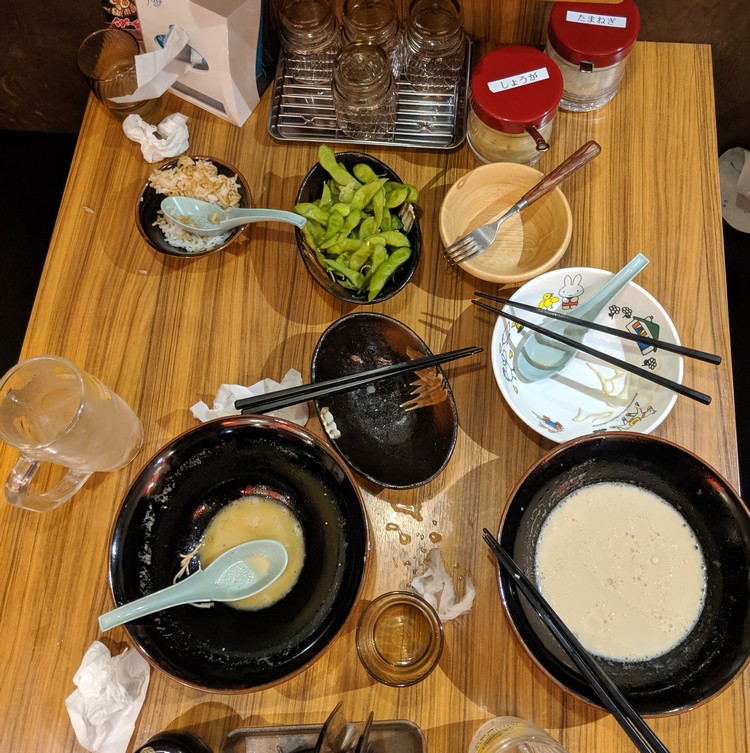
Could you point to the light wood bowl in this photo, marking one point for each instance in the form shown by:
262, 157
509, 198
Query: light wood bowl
527, 244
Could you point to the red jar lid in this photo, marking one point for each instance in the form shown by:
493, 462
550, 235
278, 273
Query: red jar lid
515, 87
598, 33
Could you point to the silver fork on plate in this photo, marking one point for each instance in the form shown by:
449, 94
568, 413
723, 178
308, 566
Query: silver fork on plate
479, 240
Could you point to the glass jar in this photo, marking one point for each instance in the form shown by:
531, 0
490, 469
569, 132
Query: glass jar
433, 46
364, 92
310, 38
514, 97
591, 44
509, 734
374, 21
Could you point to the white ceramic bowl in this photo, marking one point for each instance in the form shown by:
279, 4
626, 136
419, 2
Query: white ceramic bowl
588, 395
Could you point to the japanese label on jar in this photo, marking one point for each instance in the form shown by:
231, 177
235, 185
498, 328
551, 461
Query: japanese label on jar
520, 79
594, 19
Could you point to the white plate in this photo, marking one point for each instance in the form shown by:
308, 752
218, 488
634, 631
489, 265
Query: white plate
588, 395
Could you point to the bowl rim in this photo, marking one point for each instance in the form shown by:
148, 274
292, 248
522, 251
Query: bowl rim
502, 577
497, 368
509, 277
173, 250
339, 292
308, 438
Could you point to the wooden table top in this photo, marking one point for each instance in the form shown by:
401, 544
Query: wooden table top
166, 332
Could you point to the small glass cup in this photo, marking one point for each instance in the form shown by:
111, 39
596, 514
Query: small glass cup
374, 21
399, 638
433, 45
509, 734
56, 413
310, 38
364, 92
106, 58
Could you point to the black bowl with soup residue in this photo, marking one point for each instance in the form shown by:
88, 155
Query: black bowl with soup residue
148, 204
378, 438
717, 649
167, 510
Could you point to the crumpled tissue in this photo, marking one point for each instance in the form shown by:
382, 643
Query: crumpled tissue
734, 184
228, 393
157, 71
436, 587
168, 139
109, 696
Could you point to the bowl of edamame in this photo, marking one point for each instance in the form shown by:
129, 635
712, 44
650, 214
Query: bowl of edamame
362, 239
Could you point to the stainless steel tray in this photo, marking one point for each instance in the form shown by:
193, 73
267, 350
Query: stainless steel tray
397, 736
425, 120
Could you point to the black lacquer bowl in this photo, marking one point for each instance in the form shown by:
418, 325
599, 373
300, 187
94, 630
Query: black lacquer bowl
149, 202
718, 647
165, 513
380, 440
311, 189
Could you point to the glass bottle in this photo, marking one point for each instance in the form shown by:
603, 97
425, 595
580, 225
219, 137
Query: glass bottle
433, 46
509, 734
514, 97
374, 21
310, 38
591, 43
364, 92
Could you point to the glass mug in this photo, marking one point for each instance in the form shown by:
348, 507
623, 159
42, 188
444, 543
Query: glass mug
54, 412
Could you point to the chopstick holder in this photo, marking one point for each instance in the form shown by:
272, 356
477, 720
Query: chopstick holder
681, 389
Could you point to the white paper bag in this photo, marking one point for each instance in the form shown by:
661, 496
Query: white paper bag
225, 41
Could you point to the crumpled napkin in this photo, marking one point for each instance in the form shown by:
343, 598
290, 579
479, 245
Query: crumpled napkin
109, 696
436, 587
168, 139
228, 393
734, 183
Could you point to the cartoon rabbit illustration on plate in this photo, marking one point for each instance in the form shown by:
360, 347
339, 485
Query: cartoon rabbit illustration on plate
571, 291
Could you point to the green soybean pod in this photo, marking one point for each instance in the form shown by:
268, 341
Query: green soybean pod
364, 173
386, 270
333, 167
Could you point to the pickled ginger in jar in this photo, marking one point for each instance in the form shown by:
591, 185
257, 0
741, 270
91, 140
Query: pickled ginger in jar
591, 43
514, 97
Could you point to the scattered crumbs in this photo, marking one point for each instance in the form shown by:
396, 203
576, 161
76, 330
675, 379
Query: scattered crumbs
87, 209
142, 271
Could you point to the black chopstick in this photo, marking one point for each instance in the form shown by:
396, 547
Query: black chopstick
643, 737
682, 350
681, 389
284, 398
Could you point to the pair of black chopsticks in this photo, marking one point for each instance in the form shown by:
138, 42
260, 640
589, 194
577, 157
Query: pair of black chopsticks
643, 737
284, 398
681, 389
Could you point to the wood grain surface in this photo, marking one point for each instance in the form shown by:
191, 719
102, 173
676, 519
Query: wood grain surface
166, 332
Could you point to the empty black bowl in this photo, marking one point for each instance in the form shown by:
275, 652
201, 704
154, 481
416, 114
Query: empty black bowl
718, 647
379, 439
165, 514
311, 189
149, 203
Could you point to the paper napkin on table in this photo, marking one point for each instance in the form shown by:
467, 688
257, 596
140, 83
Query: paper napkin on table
168, 139
436, 587
109, 696
228, 393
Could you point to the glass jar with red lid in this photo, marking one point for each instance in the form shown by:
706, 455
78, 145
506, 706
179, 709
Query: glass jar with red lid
591, 43
515, 93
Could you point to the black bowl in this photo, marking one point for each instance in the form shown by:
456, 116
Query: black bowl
380, 440
310, 190
718, 647
165, 514
149, 203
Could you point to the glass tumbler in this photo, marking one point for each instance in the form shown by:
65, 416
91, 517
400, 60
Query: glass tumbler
509, 734
433, 46
310, 38
374, 21
364, 92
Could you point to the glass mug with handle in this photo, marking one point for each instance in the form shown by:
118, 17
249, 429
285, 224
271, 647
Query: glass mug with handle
54, 412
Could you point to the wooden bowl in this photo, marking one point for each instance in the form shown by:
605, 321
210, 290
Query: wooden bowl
527, 244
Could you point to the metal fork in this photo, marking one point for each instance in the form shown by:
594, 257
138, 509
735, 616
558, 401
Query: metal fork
479, 240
